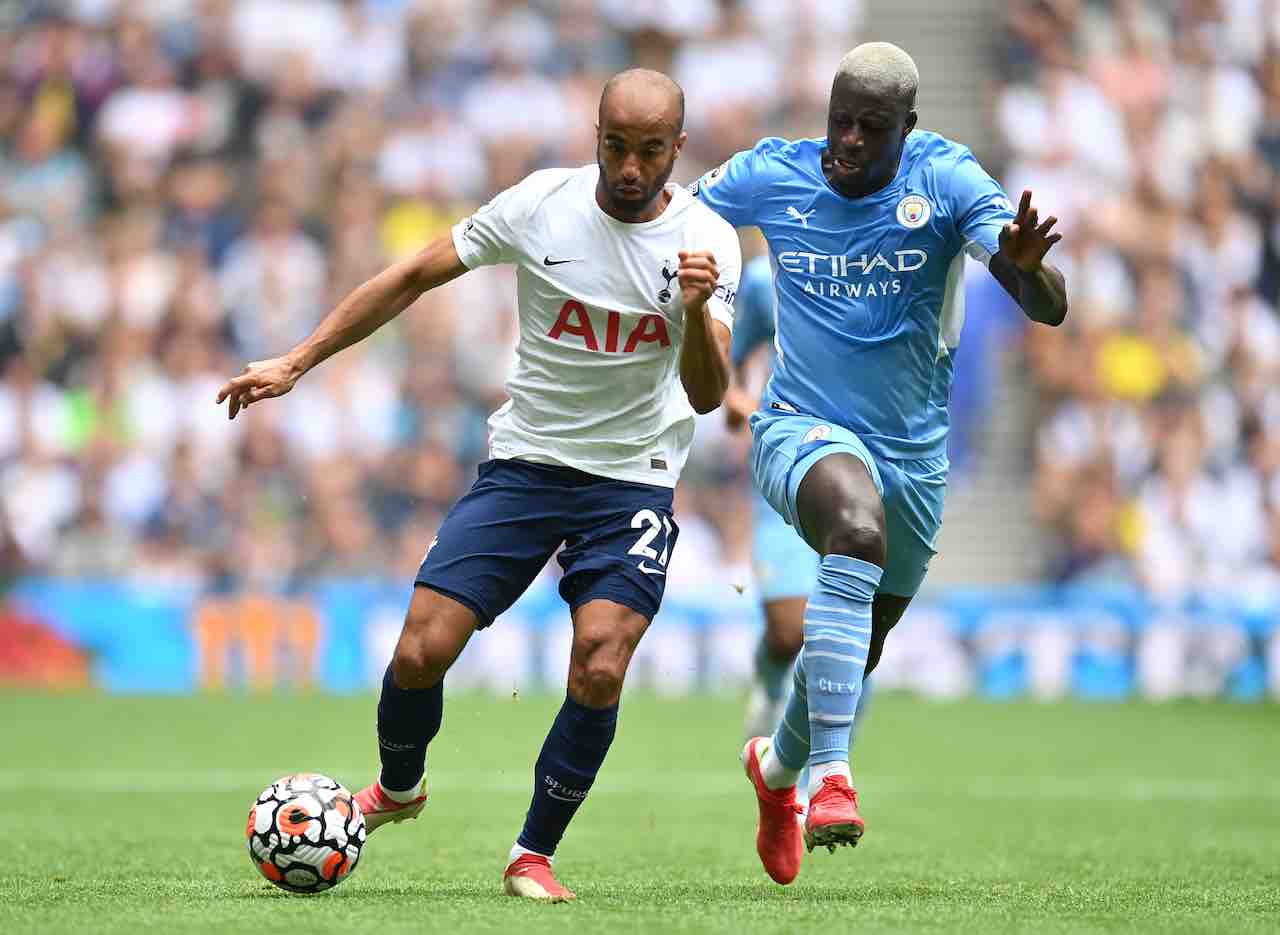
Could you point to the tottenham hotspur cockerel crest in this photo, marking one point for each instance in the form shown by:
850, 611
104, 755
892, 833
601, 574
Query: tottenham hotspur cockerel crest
665, 295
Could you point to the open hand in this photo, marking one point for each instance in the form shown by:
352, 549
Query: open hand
261, 379
698, 276
1025, 241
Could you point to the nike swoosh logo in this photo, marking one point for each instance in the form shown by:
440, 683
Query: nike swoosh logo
547, 261
645, 569
565, 798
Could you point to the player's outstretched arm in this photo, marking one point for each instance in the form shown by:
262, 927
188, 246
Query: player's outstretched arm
704, 356
359, 315
1019, 265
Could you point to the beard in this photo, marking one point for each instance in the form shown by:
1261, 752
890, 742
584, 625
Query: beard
628, 204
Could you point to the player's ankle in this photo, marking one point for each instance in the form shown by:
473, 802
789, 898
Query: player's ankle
517, 851
402, 796
820, 771
777, 775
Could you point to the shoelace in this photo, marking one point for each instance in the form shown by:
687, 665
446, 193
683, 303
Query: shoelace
833, 783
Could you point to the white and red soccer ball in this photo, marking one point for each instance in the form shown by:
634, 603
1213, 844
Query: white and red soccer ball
305, 833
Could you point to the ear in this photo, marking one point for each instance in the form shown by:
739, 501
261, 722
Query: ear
909, 124
679, 145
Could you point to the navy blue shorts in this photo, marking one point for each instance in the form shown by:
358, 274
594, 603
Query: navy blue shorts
617, 537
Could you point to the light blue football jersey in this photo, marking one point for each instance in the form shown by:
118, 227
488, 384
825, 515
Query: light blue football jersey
753, 310
869, 290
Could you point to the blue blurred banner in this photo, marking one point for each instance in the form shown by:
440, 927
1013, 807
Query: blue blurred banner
337, 635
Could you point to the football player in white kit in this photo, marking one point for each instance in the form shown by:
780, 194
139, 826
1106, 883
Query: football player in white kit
626, 286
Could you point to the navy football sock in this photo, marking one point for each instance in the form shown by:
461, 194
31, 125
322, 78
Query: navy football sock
408, 719
571, 756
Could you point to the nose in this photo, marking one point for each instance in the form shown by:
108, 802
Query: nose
631, 168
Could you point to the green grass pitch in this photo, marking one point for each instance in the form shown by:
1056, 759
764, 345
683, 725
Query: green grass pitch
125, 814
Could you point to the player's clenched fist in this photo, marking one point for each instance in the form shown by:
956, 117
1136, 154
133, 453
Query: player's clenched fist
261, 379
698, 276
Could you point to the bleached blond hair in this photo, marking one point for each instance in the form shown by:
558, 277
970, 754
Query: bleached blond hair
881, 68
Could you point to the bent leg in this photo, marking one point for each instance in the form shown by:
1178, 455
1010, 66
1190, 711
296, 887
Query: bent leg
839, 506
781, 642
785, 569
436, 628
605, 636
775, 654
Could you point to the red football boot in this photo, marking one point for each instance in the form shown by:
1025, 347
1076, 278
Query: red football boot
833, 815
529, 876
378, 808
778, 832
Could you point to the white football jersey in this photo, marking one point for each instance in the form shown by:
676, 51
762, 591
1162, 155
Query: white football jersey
596, 383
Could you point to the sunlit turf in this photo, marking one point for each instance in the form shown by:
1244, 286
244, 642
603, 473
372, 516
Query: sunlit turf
122, 814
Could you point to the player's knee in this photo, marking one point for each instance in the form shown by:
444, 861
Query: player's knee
856, 534
423, 654
417, 663
596, 672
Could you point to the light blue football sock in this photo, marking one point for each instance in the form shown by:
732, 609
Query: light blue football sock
839, 610
828, 674
791, 739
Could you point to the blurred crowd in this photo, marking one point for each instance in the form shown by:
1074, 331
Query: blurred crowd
1153, 131
188, 185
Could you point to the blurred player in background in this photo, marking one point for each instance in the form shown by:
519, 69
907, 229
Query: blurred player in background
785, 567
868, 229
625, 291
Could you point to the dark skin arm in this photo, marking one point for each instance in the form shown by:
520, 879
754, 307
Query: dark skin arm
1039, 289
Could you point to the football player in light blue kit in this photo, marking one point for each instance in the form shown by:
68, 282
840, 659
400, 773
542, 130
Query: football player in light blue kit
785, 567
868, 229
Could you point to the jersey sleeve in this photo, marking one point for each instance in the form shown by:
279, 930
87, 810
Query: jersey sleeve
488, 237
980, 207
753, 312
730, 189
723, 243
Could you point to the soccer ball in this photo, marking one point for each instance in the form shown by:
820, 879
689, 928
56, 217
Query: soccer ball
305, 833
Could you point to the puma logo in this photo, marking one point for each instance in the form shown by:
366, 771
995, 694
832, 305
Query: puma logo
802, 217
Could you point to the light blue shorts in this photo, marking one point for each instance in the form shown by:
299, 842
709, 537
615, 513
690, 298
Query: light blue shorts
784, 446
783, 563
